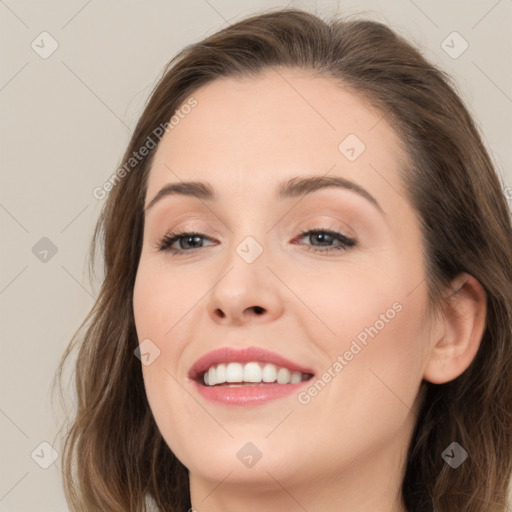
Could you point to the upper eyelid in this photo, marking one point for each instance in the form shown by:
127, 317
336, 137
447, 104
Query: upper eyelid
180, 232
327, 224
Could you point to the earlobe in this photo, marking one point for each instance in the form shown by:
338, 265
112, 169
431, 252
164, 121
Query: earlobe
463, 320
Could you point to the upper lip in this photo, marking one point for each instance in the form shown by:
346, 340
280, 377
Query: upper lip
243, 355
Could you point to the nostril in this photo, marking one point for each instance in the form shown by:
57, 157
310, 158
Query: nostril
258, 310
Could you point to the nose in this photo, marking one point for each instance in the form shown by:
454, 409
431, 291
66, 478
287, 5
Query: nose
246, 292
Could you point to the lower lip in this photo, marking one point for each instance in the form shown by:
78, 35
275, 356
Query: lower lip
244, 395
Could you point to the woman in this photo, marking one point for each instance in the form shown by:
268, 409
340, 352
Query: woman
307, 302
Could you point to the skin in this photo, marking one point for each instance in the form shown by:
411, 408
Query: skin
345, 449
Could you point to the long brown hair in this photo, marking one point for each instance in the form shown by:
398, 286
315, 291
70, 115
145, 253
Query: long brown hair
114, 457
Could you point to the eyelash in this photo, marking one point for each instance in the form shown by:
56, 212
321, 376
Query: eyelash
346, 242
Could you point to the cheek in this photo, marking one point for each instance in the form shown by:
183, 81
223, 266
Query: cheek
166, 304
376, 392
144, 300
376, 349
162, 299
371, 304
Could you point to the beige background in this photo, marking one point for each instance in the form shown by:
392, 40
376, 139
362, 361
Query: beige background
65, 121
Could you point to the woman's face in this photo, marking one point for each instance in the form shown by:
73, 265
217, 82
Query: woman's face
348, 306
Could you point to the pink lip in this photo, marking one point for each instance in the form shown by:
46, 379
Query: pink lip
247, 394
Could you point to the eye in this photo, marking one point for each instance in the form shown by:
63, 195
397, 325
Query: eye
325, 238
184, 238
188, 241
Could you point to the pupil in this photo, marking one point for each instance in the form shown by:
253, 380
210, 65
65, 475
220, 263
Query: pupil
196, 238
323, 237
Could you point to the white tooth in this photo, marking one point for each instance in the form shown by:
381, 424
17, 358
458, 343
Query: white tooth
212, 376
252, 372
234, 372
205, 378
283, 376
221, 374
296, 377
269, 373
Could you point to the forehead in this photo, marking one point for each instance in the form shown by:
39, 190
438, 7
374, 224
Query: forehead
246, 134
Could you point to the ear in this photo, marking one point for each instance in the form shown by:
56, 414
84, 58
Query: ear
461, 329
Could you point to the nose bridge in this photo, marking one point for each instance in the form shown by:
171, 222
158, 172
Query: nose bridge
251, 239
250, 233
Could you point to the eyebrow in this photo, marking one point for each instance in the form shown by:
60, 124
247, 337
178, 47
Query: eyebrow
291, 188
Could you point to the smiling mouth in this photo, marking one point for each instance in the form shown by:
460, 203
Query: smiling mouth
253, 373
